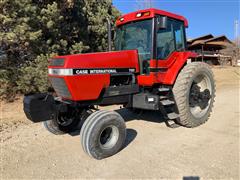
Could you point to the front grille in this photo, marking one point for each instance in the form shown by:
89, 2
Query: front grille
60, 87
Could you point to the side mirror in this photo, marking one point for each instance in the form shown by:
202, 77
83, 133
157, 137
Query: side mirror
162, 22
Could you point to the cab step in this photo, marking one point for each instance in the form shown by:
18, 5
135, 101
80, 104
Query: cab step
172, 124
163, 89
167, 102
172, 115
163, 97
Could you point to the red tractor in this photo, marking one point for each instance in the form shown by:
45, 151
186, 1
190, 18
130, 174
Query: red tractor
150, 69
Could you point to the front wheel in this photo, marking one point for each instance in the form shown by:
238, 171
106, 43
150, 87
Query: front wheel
61, 125
194, 93
67, 122
103, 134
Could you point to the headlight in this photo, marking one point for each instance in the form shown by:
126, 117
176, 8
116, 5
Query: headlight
60, 72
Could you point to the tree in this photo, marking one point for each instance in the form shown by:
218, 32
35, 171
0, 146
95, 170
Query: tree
32, 30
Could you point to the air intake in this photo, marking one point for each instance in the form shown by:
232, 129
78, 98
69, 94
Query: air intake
57, 62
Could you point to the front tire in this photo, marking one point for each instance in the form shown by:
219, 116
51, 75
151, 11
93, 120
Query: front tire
67, 122
103, 134
194, 93
53, 127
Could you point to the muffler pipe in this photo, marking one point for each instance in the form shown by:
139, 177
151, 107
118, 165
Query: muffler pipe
109, 35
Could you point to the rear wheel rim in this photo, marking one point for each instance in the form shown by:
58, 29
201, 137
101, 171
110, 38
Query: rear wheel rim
108, 137
200, 95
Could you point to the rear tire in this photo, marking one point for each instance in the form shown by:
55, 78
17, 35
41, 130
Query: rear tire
194, 93
103, 134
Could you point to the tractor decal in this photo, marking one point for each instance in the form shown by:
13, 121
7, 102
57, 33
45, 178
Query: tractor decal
70, 72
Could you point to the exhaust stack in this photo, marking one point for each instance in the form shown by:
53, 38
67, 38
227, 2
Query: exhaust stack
109, 35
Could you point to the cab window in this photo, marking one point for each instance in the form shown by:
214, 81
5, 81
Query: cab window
170, 39
136, 35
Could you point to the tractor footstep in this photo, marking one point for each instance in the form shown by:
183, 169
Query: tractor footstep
172, 124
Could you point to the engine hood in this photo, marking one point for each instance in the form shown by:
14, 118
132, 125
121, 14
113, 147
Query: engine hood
103, 60
83, 77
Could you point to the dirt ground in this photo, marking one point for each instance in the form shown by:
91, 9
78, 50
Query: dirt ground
152, 150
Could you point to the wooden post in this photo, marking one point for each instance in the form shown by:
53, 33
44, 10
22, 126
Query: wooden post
202, 53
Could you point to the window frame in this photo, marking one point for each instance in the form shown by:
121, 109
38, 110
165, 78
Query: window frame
152, 35
183, 36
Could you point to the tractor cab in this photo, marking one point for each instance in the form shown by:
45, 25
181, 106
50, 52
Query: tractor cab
155, 34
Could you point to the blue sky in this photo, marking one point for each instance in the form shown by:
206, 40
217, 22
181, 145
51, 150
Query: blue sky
204, 16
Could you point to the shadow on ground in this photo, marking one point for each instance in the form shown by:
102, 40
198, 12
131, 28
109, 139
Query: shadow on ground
152, 116
191, 178
131, 135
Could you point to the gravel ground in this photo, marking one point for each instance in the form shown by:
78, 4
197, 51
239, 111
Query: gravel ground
152, 150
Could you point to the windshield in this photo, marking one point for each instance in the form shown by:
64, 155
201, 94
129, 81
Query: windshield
136, 35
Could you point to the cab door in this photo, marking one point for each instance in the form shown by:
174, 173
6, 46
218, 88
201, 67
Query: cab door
170, 48
170, 40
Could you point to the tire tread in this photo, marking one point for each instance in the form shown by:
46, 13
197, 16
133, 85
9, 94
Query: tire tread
180, 90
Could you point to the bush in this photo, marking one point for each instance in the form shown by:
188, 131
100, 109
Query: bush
31, 32
8, 78
33, 76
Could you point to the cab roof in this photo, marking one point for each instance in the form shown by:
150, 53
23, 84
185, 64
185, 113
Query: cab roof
147, 14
